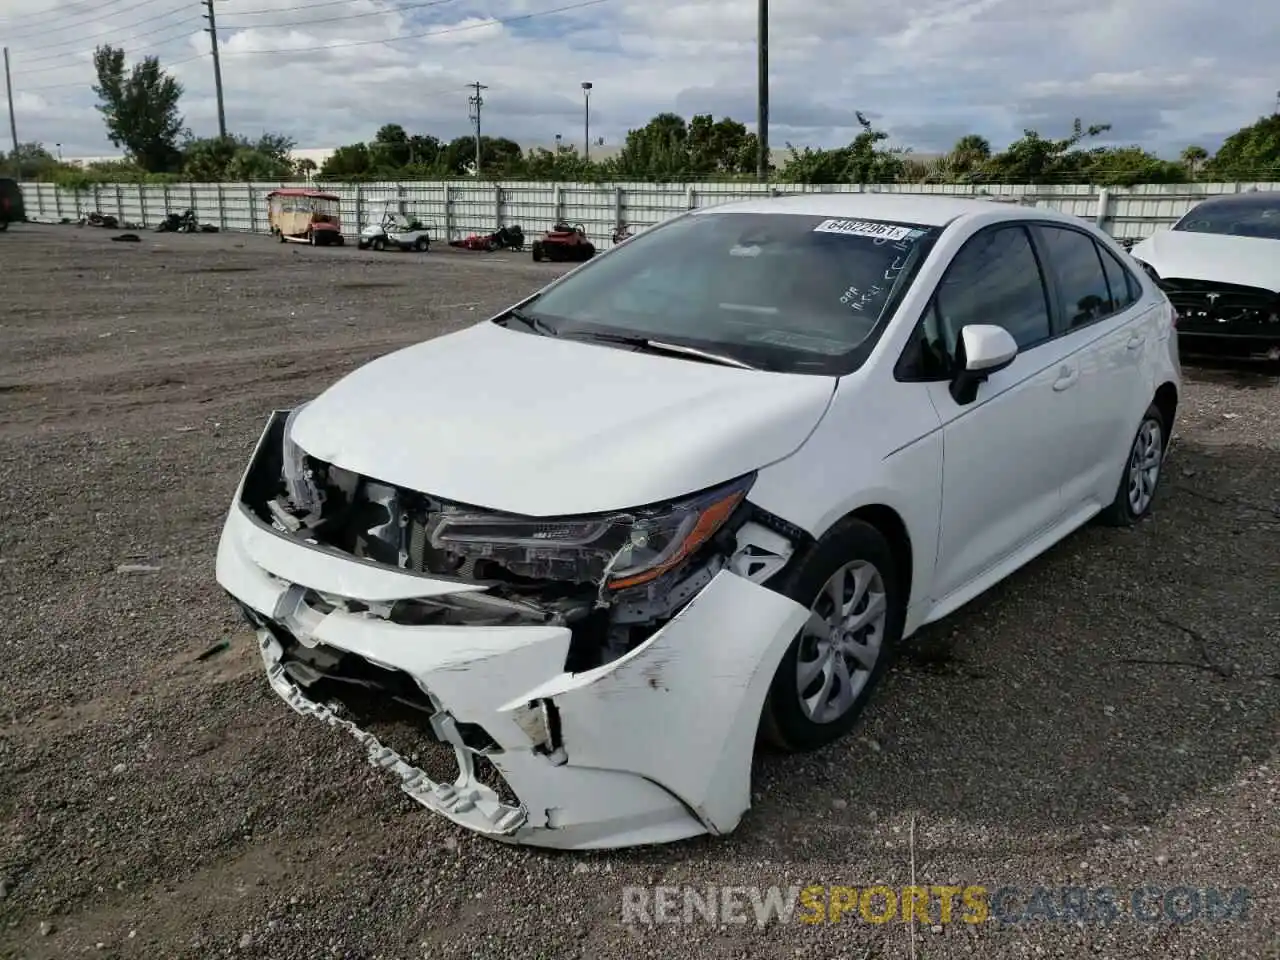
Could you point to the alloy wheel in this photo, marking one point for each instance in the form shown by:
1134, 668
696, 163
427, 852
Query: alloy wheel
1144, 465
841, 642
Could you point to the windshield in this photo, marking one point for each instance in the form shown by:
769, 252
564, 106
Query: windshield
804, 294
1251, 217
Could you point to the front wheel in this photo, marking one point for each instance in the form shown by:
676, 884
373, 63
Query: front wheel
379, 245
849, 582
1137, 489
421, 244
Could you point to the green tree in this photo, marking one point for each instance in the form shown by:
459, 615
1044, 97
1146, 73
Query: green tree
238, 158
31, 161
969, 155
350, 162
1033, 159
1127, 166
862, 161
1193, 158
140, 108
1251, 153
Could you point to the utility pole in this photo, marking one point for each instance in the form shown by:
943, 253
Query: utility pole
476, 101
212, 30
762, 92
586, 120
8, 89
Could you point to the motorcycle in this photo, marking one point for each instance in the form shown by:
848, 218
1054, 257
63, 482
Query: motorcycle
184, 222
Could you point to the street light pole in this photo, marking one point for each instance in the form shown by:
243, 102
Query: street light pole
586, 120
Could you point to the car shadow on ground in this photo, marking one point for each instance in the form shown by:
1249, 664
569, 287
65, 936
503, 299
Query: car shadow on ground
1115, 678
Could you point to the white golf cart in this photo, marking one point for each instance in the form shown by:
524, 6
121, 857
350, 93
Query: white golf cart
396, 230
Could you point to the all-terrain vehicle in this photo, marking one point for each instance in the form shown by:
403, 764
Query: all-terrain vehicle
11, 209
504, 238
397, 231
564, 242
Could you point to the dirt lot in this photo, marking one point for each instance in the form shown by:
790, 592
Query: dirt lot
1107, 718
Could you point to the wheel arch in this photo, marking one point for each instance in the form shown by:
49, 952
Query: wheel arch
894, 529
1166, 401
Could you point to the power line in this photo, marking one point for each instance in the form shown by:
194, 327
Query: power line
103, 39
266, 11
62, 58
349, 16
63, 27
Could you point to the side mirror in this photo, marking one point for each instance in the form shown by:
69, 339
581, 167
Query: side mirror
982, 350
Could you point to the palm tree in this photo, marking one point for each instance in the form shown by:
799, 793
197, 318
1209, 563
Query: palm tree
1193, 157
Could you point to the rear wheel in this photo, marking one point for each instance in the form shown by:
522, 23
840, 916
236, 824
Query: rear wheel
850, 584
421, 244
537, 251
379, 244
588, 251
311, 237
280, 234
1142, 469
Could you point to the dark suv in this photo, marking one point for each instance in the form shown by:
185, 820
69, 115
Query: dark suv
11, 210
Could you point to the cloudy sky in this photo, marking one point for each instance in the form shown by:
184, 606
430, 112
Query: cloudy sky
1164, 73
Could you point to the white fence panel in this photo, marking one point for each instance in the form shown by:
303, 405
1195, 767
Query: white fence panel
456, 208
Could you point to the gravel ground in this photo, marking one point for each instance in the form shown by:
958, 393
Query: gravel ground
1106, 718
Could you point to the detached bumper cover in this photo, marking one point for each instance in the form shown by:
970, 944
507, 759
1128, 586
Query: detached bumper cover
652, 747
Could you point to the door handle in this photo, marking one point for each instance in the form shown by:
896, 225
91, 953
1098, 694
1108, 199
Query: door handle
1135, 341
1067, 376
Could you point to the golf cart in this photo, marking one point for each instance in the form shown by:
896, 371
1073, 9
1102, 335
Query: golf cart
299, 215
11, 210
396, 230
564, 242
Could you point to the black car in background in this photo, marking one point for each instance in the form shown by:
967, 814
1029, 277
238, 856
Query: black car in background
11, 208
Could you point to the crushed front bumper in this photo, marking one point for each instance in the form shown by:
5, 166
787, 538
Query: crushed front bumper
652, 747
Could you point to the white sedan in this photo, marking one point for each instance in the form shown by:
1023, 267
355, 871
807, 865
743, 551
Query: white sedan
692, 495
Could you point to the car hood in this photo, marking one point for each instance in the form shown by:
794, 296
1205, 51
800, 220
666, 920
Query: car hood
1248, 261
541, 426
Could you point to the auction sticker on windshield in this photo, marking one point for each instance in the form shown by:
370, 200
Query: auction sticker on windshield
865, 228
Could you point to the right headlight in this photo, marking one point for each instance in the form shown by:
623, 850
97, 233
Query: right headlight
623, 549
303, 493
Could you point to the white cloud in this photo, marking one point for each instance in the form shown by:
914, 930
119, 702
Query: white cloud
1163, 72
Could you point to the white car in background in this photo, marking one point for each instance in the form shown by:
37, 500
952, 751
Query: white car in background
692, 494
1220, 267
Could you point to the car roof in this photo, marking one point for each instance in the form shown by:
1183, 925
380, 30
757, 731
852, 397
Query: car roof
1253, 197
935, 210
303, 192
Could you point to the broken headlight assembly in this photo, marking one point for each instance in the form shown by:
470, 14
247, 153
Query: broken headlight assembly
616, 550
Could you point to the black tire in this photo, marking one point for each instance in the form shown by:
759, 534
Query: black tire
4, 225
379, 244
280, 234
537, 251
588, 251
339, 240
422, 244
1136, 493
784, 724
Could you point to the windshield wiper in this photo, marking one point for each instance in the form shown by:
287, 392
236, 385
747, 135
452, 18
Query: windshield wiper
534, 323
662, 346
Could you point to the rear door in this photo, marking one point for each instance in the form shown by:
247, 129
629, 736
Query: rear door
1100, 317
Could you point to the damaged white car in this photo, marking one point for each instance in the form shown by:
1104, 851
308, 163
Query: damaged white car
691, 495
1220, 267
